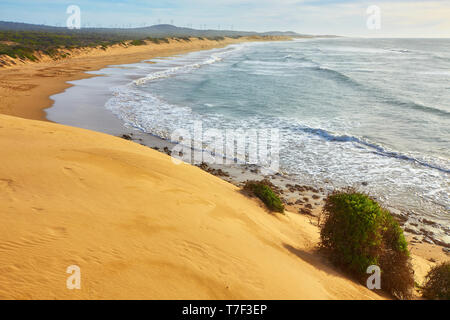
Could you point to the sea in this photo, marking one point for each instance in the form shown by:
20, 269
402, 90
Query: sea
373, 114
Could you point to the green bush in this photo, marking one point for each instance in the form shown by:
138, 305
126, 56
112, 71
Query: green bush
17, 51
154, 40
437, 283
217, 38
137, 42
158, 40
357, 232
263, 191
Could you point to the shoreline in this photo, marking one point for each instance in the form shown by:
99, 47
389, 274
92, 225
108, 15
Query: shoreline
56, 80
25, 89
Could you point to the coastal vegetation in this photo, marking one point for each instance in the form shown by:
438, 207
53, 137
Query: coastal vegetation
137, 42
216, 38
437, 283
159, 40
27, 45
356, 232
17, 52
263, 190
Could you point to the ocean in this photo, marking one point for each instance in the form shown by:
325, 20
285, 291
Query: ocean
369, 113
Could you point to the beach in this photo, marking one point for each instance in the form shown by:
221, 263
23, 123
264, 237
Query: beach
25, 89
138, 225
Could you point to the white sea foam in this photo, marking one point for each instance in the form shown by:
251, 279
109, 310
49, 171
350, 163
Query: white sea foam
186, 68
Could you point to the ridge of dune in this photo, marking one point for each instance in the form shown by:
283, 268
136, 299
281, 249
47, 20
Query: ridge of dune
141, 227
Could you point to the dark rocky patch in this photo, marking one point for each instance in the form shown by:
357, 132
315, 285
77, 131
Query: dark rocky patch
305, 211
126, 137
167, 151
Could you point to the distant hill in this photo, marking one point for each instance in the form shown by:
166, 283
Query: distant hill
160, 30
18, 26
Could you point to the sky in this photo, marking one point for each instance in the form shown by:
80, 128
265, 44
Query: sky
400, 18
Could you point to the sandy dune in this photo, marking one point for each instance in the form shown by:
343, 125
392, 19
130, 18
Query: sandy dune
142, 227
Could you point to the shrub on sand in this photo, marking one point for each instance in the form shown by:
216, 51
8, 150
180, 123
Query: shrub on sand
357, 232
264, 192
137, 42
437, 283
